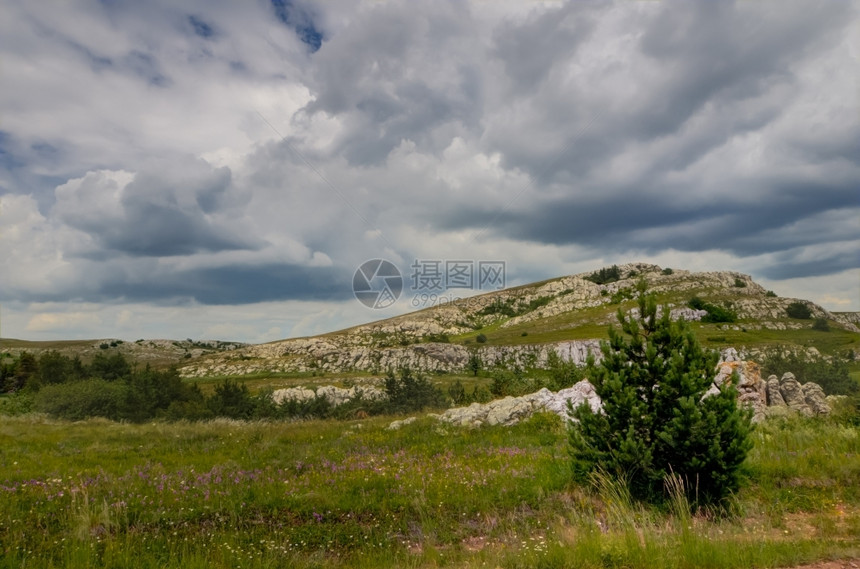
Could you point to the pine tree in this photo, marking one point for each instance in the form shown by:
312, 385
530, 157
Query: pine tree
656, 420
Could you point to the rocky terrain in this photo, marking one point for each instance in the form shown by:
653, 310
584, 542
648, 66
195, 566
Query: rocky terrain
158, 351
444, 337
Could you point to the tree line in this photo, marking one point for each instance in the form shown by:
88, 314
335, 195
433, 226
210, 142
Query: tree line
116, 388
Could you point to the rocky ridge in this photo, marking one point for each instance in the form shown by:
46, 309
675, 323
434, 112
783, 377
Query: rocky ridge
418, 339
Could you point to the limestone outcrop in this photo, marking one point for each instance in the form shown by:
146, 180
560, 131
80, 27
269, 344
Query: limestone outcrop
511, 410
335, 395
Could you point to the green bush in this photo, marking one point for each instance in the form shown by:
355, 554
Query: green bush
605, 275
739, 283
798, 310
410, 393
83, 399
667, 271
770, 294
821, 325
715, 314
511, 383
481, 338
655, 420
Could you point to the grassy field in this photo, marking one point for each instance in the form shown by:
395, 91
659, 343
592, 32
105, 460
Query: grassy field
353, 494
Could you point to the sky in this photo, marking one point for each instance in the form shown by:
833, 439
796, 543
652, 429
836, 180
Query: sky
218, 169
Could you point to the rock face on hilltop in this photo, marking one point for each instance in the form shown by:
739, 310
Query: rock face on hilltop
419, 339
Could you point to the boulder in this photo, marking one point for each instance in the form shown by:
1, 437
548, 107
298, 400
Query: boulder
815, 398
792, 393
752, 390
395, 425
774, 396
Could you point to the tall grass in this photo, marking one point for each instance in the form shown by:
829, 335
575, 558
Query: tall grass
325, 494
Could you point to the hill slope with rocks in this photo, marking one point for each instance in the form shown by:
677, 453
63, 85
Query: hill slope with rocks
522, 326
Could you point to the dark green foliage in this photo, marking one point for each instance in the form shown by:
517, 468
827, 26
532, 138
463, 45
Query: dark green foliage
457, 392
481, 338
439, 338
605, 275
831, 373
83, 399
151, 393
562, 373
475, 363
798, 310
821, 325
110, 367
655, 421
715, 314
667, 271
499, 306
770, 294
22, 372
511, 382
231, 399
536, 303
739, 283
411, 393
57, 368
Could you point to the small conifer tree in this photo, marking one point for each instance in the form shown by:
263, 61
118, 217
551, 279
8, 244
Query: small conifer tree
656, 420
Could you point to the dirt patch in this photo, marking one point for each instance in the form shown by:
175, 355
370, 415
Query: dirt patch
843, 564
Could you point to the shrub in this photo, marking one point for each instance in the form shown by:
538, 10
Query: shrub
511, 382
770, 294
715, 314
457, 392
83, 399
739, 283
667, 271
655, 421
798, 310
481, 339
605, 275
562, 373
475, 363
821, 325
411, 393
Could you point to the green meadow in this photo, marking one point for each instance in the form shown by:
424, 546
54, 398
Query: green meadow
354, 494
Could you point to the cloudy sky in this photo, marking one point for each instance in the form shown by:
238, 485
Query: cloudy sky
219, 169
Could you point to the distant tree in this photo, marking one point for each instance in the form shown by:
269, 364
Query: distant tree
232, 400
770, 294
481, 338
24, 372
655, 420
110, 367
605, 275
798, 310
667, 271
821, 325
410, 392
54, 367
475, 363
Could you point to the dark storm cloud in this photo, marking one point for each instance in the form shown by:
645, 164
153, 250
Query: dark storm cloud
234, 285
